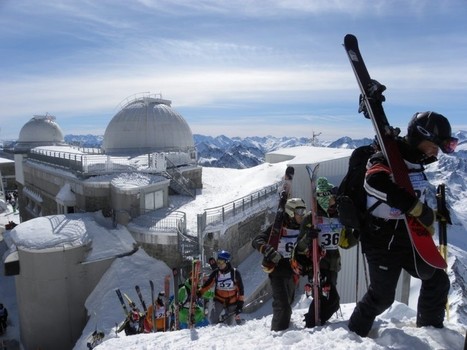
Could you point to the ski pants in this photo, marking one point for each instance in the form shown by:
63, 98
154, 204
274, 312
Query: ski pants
384, 267
217, 308
283, 294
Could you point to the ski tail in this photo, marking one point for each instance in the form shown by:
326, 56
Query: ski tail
122, 302
140, 296
316, 249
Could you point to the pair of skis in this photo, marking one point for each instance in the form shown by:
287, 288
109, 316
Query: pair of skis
276, 228
316, 250
195, 275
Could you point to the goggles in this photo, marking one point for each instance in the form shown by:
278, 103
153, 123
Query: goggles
300, 211
221, 261
448, 145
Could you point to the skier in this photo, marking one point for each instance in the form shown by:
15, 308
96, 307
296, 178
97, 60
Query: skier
228, 290
385, 240
132, 323
328, 230
159, 315
282, 277
184, 293
3, 318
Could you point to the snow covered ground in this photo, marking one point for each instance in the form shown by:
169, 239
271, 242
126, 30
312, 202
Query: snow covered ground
394, 329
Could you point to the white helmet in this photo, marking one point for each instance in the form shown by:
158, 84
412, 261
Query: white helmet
292, 204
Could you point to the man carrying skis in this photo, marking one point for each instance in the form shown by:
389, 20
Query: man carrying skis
228, 290
386, 242
282, 277
327, 230
184, 293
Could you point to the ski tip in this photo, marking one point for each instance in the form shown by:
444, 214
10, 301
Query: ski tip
350, 39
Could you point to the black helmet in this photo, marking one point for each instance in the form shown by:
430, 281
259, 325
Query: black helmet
433, 127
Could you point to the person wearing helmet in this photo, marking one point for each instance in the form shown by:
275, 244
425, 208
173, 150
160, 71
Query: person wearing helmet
228, 291
282, 278
327, 230
386, 242
184, 295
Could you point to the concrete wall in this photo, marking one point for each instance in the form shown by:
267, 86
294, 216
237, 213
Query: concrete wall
159, 245
51, 291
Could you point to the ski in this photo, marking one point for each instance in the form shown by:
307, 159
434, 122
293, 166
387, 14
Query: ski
153, 307
175, 310
371, 104
166, 299
122, 302
316, 249
195, 271
246, 307
140, 296
276, 228
95, 339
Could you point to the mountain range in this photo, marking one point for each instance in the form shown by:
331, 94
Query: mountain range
239, 153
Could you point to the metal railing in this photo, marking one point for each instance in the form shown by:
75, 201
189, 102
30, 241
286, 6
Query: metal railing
238, 207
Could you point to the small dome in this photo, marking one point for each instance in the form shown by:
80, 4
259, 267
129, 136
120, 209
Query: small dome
41, 130
147, 125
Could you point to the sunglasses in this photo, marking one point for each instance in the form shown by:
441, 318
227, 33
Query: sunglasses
300, 211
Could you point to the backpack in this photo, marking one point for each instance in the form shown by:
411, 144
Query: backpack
351, 196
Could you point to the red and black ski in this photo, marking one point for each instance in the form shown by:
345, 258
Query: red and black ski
371, 104
166, 299
316, 249
195, 273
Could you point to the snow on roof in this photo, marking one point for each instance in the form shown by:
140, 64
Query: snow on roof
72, 230
6, 161
312, 154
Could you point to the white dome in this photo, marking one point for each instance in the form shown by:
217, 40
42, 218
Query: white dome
41, 129
147, 125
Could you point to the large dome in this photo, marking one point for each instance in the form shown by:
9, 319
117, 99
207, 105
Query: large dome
147, 125
41, 130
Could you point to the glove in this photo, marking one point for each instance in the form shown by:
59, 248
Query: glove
424, 215
271, 254
239, 307
312, 232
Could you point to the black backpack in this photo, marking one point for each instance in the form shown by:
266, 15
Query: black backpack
351, 196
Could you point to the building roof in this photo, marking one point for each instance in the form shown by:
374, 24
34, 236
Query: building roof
145, 125
41, 130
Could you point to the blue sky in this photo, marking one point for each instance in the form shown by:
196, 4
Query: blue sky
237, 68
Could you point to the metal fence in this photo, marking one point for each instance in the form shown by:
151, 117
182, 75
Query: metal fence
238, 207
